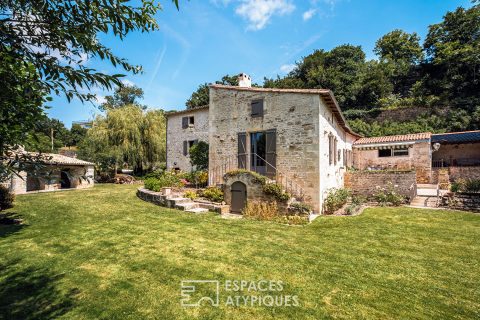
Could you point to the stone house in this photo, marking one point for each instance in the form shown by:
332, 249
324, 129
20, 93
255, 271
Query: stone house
54, 172
300, 139
184, 129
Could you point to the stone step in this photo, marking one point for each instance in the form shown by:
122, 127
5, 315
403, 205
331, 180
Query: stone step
427, 192
426, 186
186, 206
197, 210
419, 201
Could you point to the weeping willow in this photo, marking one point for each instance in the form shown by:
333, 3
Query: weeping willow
128, 136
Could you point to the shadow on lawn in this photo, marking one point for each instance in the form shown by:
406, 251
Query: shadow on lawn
32, 293
10, 222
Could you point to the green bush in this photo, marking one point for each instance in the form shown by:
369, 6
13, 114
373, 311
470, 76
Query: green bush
199, 155
213, 194
388, 196
301, 208
197, 177
472, 185
465, 185
335, 199
6, 198
275, 190
190, 194
167, 179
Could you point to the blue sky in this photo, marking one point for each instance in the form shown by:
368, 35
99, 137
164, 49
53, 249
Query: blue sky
207, 39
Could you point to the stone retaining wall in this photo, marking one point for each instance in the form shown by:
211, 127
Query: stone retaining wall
462, 201
464, 173
366, 183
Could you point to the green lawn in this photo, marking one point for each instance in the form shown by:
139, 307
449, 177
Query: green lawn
103, 253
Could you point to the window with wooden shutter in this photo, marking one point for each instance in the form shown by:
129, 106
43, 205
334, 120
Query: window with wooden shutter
257, 108
271, 152
185, 148
185, 122
242, 150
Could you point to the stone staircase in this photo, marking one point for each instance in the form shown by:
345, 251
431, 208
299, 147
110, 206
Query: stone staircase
427, 196
181, 203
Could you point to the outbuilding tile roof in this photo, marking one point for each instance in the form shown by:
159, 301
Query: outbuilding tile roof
54, 159
397, 138
457, 137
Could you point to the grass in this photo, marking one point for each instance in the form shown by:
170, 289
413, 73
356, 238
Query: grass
103, 253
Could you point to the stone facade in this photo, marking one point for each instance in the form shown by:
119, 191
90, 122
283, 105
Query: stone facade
419, 158
178, 134
367, 183
48, 179
303, 123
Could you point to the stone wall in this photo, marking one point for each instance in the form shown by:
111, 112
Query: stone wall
254, 190
49, 179
366, 183
462, 201
464, 173
419, 158
176, 135
302, 122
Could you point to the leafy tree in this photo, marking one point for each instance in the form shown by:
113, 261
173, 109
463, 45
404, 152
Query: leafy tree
77, 134
200, 97
199, 155
124, 95
126, 136
43, 47
400, 52
453, 54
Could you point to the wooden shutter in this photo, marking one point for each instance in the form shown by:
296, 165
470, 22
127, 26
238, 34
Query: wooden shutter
185, 122
185, 148
271, 152
242, 150
335, 153
257, 108
330, 149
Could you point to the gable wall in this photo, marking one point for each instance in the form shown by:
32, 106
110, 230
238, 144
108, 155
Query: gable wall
176, 135
293, 115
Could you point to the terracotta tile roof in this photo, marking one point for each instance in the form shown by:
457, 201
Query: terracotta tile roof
326, 94
172, 113
54, 158
397, 138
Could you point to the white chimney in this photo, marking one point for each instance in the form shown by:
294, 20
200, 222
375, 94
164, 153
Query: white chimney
244, 80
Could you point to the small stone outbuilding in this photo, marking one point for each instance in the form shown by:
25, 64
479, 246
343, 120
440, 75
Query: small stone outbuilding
52, 172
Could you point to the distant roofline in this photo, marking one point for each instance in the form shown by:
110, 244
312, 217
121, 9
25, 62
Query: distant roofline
174, 113
326, 94
459, 132
392, 139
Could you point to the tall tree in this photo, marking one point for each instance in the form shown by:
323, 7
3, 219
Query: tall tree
127, 135
124, 95
400, 52
453, 52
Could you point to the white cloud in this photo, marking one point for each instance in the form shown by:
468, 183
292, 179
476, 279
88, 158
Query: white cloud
286, 68
128, 82
259, 12
100, 99
307, 15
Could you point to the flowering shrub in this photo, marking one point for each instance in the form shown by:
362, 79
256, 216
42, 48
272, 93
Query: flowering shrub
388, 196
167, 179
335, 199
190, 194
275, 190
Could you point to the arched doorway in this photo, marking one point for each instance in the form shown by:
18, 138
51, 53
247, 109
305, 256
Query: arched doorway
239, 196
65, 180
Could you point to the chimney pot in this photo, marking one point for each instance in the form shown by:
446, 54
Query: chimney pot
244, 80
